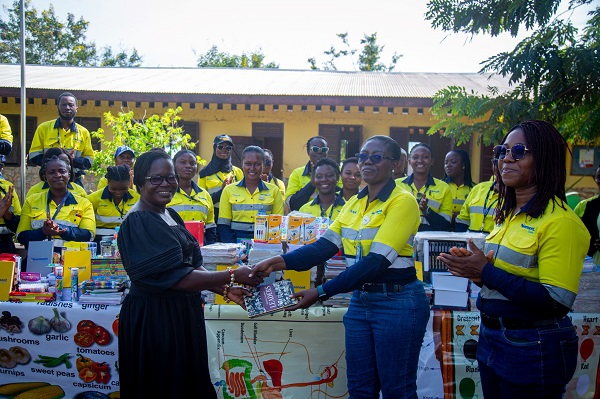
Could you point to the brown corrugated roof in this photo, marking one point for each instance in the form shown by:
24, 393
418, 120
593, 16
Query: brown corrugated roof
244, 82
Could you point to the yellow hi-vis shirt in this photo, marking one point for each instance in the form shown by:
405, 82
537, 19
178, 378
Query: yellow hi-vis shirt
459, 194
548, 250
386, 226
479, 210
5, 130
438, 195
197, 206
214, 182
239, 207
299, 178
50, 134
43, 187
108, 215
314, 208
76, 212
15, 206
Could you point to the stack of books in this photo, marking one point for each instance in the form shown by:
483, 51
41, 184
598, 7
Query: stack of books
103, 292
450, 292
221, 254
335, 266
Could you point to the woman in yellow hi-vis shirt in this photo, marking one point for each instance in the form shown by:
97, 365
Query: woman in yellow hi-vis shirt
113, 202
389, 310
219, 172
241, 202
43, 185
190, 201
529, 270
57, 214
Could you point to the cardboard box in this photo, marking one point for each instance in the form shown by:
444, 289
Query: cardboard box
261, 228
447, 281
450, 299
309, 230
274, 232
294, 230
7, 278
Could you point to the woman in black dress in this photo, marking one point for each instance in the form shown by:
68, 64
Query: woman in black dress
162, 336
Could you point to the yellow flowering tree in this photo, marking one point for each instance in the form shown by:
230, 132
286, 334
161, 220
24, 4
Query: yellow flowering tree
154, 131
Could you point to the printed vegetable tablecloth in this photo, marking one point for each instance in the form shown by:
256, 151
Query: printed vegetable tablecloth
301, 354
74, 352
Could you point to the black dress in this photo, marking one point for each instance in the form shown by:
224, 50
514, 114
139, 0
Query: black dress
162, 336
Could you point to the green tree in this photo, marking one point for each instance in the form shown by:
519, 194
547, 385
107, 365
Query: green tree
154, 131
50, 41
368, 58
219, 59
554, 73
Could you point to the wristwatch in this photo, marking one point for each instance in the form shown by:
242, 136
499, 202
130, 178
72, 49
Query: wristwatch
322, 294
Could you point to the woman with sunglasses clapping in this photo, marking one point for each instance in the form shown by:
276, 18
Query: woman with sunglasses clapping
433, 195
219, 172
300, 188
389, 310
528, 271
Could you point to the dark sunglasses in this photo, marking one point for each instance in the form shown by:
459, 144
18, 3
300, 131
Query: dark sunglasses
224, 147
268, 162
315, 148
375, 158
156, 180
517, 151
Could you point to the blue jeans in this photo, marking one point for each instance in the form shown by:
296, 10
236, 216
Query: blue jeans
528, 364
384, 334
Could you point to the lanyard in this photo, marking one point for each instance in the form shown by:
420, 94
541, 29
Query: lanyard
324, 211
122, 210
58, 208
486, 209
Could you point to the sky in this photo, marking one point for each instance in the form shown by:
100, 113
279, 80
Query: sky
175, 33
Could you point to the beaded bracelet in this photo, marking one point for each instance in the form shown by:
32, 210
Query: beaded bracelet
225, 293
231, 275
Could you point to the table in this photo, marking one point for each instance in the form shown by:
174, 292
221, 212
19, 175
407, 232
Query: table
301, 354
285, 355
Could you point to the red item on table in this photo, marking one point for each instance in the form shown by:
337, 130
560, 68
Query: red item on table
196, 227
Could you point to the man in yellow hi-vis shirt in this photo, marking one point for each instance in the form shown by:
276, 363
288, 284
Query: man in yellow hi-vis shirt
64, 132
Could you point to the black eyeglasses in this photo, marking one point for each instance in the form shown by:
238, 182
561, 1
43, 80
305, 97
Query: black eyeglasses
156, 180
315, 148
224, 147
268, 162
517, 151
375, 158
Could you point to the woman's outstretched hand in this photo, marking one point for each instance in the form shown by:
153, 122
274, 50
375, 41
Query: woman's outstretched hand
242, 276
305, 298
265, 267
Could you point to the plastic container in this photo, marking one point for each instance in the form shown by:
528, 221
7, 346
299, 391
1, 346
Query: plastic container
74, 284
106, 246
58, 271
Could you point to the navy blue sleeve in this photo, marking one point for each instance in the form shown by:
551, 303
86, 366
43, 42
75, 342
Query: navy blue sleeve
76, 234
226, 234
27, 236
13, 223
310, 255
216, 196
301, 197
356, 275
518, 289
5, 147
37, 160
210, 235
437, 221
460, 227
82, 163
